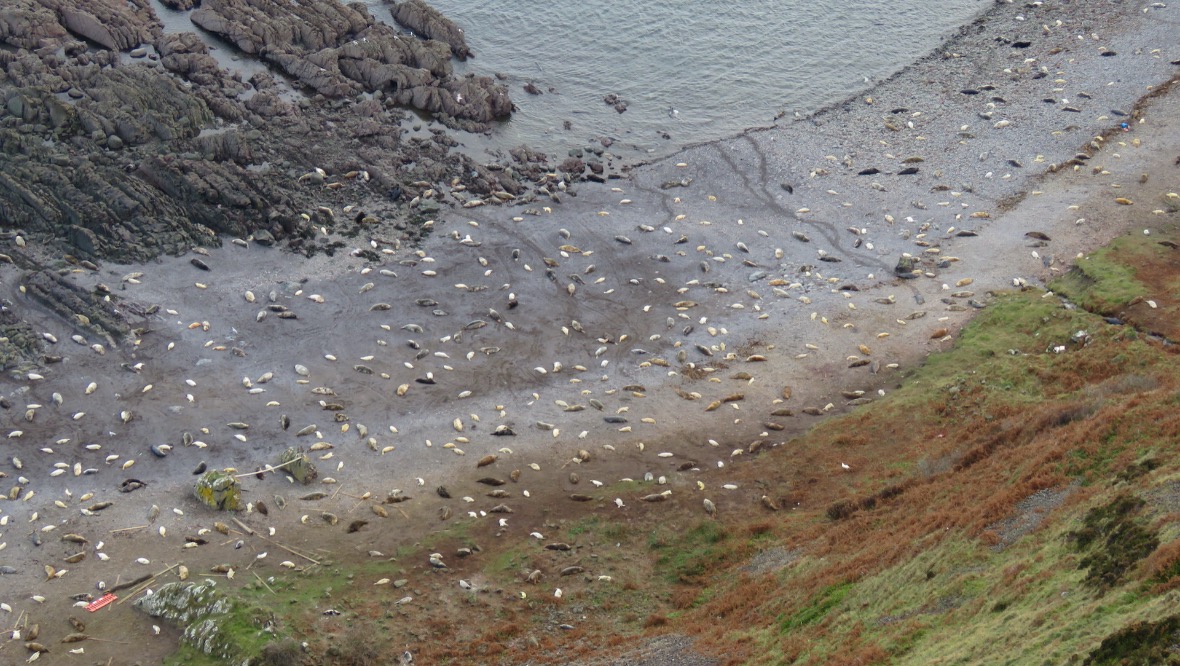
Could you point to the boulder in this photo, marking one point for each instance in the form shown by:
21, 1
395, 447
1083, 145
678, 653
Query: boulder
264, 238
83, 239
573, 166
61, 115
906, 268
84, 24
21, 107
116, 25
298, 465
27, 23
219, 490
225, 145
270, 105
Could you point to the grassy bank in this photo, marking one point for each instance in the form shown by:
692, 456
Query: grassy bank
1014, 500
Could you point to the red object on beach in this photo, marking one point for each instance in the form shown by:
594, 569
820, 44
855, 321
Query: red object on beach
100, 602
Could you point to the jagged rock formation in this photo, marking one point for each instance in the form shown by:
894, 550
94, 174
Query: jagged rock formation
118, 25
426, 20
109, 156
20, 346
86, 310
24, 23
340, 51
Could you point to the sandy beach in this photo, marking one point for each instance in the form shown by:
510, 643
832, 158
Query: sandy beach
624, 321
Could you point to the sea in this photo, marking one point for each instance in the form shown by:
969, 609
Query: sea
690, 71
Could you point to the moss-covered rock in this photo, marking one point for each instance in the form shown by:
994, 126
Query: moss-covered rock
219, 490
198, 608
296, 462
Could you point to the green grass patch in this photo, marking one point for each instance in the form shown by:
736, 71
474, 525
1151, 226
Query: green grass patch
1105, 281
623, 488
1096, 465
262, 618
587, 525
956, 600
245, 625
685, 557
825, 601
187, 655
992, 354
249, 626
508, 561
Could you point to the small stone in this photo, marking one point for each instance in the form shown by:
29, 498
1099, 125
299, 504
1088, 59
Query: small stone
905, 268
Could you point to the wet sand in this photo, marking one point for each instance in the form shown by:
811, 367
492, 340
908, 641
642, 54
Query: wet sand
810, 319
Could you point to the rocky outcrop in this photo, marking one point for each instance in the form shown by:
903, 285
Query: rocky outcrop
198, 608
78, 179
25, 23
426, 20
20, 346
185, 55
339, 51
117, 159
261, 26
87, 311
118, 25
382, 45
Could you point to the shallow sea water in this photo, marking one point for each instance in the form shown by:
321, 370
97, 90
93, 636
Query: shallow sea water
690, 71
696, 70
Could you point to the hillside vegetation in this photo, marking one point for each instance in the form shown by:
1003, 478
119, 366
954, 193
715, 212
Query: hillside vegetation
1014, 500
